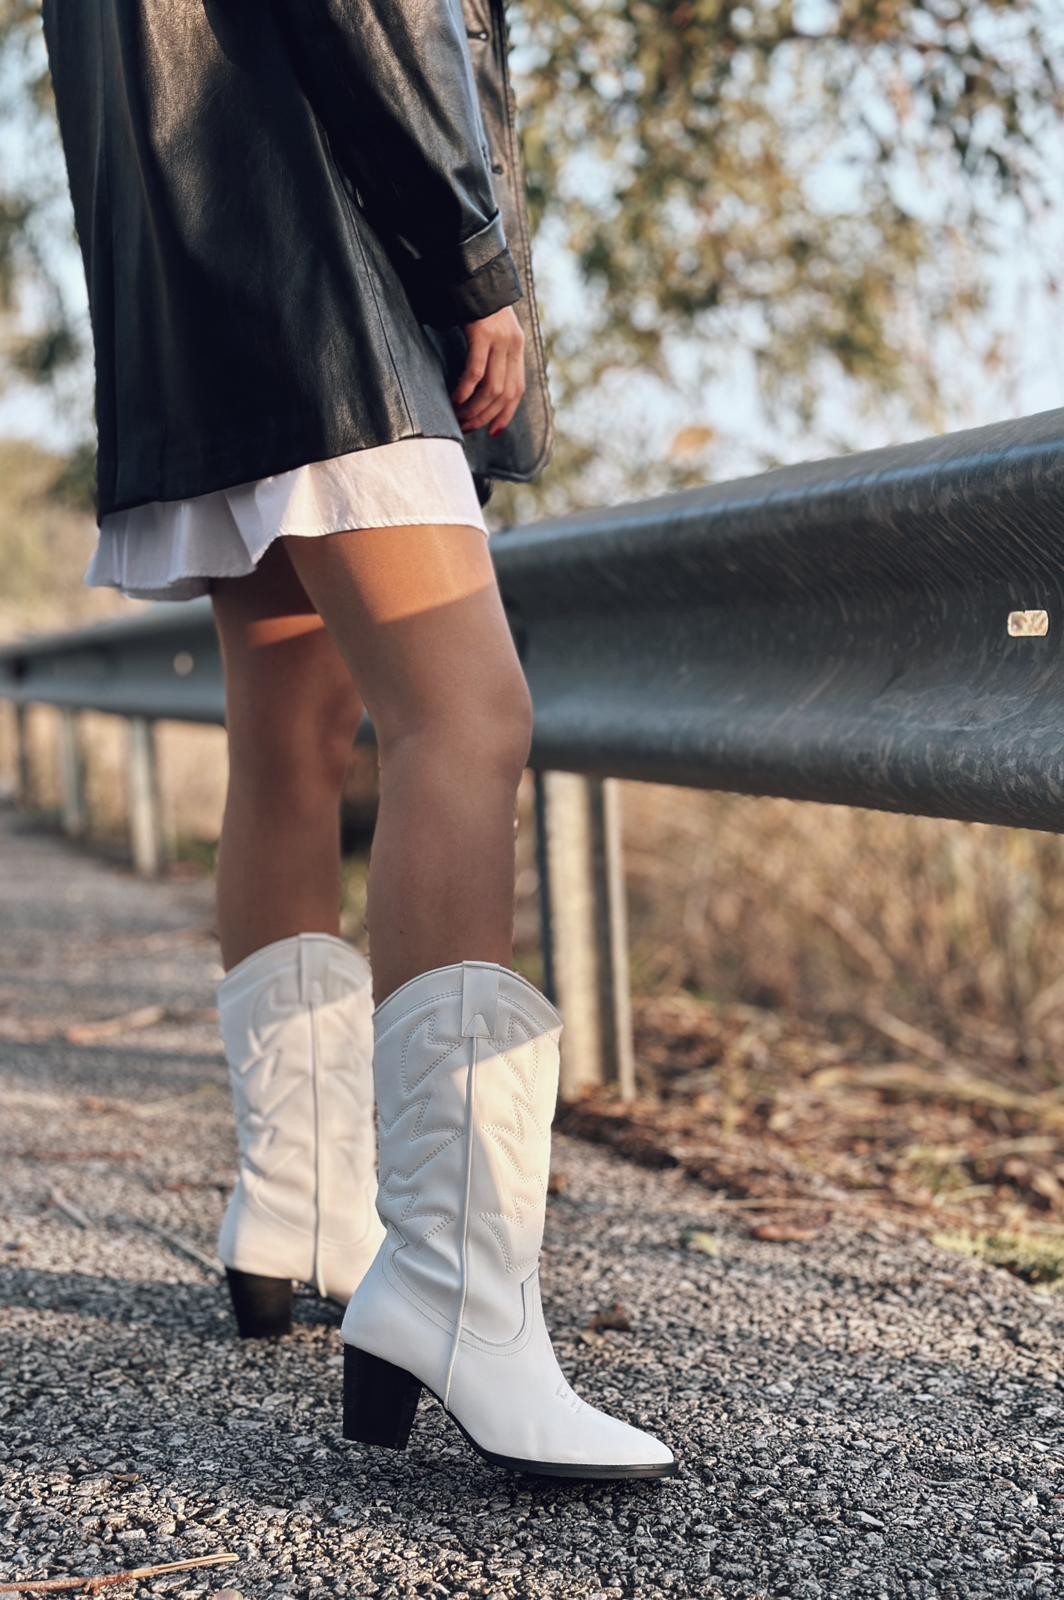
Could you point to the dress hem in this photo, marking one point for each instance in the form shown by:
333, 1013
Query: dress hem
172, 549
177, 580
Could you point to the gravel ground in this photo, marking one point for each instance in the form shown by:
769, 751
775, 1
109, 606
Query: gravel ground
862, 1415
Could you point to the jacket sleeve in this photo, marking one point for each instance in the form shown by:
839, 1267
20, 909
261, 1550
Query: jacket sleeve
392, 83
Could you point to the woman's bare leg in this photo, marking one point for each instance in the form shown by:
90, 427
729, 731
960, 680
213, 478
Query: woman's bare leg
416, 614
292, 712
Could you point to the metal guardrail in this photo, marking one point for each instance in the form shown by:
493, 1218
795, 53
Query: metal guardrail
163, 664
834, 631
880, 630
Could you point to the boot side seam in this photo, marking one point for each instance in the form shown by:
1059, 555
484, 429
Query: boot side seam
464, 1244
315, 994
395, 1281
251, 1206
468, 1339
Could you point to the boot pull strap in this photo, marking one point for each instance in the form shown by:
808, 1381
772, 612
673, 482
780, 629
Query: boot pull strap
480, 1001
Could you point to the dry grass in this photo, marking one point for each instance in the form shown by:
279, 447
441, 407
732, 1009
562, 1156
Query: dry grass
817, 910
846, 1013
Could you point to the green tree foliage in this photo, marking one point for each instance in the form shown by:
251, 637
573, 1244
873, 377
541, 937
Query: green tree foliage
818, 183
814, 184
44, 333
36, 336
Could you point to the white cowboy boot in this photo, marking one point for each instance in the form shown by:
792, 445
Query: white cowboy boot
466, 1069
296, 1021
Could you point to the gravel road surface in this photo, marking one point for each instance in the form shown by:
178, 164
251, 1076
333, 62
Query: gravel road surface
860, 1415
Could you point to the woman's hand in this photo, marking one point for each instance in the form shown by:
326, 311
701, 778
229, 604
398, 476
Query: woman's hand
490, 388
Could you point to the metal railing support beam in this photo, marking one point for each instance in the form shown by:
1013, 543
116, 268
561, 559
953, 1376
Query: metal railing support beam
585, 931
72, 775
146, 834
25, 795
608, 839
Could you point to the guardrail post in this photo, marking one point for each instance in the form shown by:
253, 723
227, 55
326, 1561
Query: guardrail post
145, 813
585, 929
612, 902
72, 775
24, 789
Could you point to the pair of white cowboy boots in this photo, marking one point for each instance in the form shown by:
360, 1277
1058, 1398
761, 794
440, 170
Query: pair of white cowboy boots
438, 1261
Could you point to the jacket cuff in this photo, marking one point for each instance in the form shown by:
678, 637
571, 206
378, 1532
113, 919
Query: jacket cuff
479, 249
472, 280
492, 286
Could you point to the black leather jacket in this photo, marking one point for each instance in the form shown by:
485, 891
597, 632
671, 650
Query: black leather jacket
286, 210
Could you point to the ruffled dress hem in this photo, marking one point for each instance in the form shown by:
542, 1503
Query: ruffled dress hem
171, 549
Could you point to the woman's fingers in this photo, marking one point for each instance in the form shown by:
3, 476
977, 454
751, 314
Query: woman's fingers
495, 400
516, 390
476, 364
490, 394
493, 381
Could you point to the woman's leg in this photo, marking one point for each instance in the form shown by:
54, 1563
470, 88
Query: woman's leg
292, 712
465, 1059
295, 1009
416, 614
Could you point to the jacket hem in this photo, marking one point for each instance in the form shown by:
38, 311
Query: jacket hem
190, 474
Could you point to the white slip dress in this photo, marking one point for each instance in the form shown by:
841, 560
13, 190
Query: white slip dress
170, 549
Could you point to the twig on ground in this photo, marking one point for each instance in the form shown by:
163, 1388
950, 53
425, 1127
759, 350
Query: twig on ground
912, 1038
806, 1202
907, 1078
182, 1246
165, 938
180, 1102
69, 1209
110, 1027
33, 1153
91, 1585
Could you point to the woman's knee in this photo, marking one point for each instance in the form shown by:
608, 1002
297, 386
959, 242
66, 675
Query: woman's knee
295, 751
487, 733
506, 726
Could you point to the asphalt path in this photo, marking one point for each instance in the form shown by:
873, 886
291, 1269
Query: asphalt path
858, 1415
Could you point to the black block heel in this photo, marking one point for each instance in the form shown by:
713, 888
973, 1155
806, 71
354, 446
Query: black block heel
379, 1400
262, 1306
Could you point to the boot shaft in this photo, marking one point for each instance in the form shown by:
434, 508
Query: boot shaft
466, 1074
296, 1022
